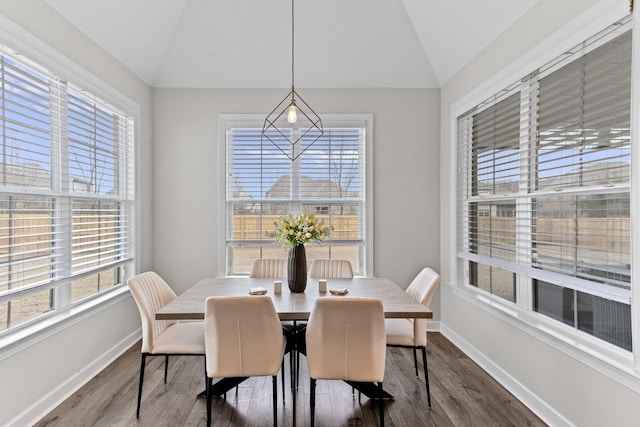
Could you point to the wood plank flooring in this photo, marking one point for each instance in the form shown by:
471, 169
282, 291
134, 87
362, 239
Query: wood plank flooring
462, 394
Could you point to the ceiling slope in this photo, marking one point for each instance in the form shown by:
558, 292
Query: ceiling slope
338, 43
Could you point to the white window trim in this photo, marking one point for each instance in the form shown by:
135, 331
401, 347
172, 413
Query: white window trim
328, 120
33, 332
604, 357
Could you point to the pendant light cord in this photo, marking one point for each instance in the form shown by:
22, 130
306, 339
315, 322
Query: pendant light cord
292, 45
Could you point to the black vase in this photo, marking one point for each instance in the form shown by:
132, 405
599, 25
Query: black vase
297, 269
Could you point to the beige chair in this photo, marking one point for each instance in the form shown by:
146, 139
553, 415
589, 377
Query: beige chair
162, 337
269, 268
331, 269
346, 341
412, 333
243, 338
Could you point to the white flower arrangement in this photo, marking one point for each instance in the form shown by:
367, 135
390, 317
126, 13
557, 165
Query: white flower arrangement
299, 229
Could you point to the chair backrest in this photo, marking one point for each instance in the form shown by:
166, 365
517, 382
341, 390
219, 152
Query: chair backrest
269, 268
331, 269
151, 293
424, 286
346, 339
242, 336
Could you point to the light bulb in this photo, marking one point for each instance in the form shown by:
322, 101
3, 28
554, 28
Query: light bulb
292, 115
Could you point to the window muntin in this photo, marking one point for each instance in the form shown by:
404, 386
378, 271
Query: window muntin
263, 184
58, 142
565, 174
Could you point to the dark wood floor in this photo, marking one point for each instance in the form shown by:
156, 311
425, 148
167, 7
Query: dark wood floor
462, 395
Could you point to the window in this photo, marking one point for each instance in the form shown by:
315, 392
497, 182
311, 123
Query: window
544, 189
328, 180
66, 192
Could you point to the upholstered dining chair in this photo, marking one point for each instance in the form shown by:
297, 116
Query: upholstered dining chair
243, 338
331, 269
162, 337
272, 268
269, 268
346, 341
412, 333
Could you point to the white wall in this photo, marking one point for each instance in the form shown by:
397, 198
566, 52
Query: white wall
41, 373
186, 199
560, 388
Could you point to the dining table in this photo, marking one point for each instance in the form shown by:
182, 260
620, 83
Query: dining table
294, 306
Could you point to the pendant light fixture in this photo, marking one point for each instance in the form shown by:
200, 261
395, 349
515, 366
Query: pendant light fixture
292, 113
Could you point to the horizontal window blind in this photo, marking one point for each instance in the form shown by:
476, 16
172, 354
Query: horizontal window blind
326, 180
100, 231
94, 137
544, 170
26, 125
495, 166
28, 239
584, 113
584, 145
58, 142
331, 169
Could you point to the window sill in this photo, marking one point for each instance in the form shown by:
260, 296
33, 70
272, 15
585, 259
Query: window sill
16, 341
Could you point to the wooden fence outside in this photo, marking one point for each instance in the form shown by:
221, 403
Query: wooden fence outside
258, 227
604, 233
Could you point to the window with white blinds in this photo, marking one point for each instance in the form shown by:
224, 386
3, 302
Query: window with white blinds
544, 187
66, 192
262, 184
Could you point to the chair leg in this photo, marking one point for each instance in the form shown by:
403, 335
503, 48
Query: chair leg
297, 370
292, 366
275, 400
293, 399
312, 386
426, 374
415, 361
205, 371
142, 364
166, 367
380, 403
282, 373
209, 384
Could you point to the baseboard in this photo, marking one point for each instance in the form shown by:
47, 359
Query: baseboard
540, 407
55, 397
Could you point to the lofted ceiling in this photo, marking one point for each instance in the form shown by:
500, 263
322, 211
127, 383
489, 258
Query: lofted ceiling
338, 43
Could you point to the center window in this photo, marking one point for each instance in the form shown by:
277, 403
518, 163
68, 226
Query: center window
262, 184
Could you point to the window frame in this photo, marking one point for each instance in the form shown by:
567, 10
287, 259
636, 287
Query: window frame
23, 335
329, 121
604, 357
497, 162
